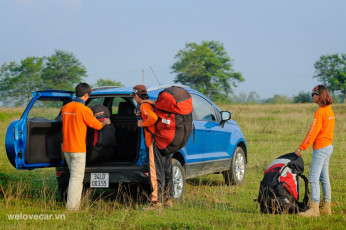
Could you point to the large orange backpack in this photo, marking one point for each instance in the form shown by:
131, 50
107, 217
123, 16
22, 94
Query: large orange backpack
174, 126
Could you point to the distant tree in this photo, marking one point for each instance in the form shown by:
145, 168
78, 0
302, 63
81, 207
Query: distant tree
107, 82
253, 97
331, 71
244, 98
278, 99
206, 68
17, 81
62, 71
303, 97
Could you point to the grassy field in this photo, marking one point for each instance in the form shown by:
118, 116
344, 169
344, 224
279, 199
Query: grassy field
270, 131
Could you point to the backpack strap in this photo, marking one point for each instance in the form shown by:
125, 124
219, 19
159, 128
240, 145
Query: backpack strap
194, 132
152, 104
304, 205
152, 134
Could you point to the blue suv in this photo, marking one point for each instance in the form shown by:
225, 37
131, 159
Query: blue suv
216, 145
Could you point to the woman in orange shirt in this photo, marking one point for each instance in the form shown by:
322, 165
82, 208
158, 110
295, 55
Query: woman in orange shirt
321, 136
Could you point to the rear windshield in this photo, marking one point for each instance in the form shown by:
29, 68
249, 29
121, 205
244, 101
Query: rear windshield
46, 109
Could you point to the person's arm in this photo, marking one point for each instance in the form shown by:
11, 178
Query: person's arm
150, 116
91, 120
312, 133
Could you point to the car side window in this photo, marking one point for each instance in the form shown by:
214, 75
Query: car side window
203, 109
45, 109
117, 101
96, 101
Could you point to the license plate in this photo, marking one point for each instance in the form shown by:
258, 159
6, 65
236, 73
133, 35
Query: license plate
99, 180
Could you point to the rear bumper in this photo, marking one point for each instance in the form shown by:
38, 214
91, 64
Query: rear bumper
117, 174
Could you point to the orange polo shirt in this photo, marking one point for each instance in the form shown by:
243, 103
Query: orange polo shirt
75, 119
321, 132
149, 119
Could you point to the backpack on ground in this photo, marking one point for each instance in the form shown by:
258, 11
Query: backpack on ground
174, 126
101, 143
279, 189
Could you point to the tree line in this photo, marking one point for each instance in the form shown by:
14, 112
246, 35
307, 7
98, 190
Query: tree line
205, 67
208, 68
61, 71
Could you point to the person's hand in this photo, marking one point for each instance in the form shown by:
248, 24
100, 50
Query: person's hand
106, 121
140, 123
138, 113
297, 152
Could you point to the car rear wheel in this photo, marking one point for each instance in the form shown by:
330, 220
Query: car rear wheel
62, 189
236, 174
179, 180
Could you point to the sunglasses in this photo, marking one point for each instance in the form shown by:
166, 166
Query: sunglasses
312, 95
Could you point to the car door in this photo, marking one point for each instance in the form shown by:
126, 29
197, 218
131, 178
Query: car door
34, 141
194, 147
216, 137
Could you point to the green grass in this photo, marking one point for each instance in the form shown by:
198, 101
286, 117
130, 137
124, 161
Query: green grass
270, 131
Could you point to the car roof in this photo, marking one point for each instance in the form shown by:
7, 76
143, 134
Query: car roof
153, 91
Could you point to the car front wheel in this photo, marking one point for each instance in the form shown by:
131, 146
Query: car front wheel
236, 174
179, 181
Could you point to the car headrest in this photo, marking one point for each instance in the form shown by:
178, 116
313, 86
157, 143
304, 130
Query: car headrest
125, 108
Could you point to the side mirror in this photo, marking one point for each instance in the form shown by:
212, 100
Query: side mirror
225, 115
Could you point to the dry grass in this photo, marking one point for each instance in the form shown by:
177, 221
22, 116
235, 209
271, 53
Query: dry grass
270, 131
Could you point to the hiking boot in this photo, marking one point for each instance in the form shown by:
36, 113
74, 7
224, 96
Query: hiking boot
314, 210
153, 206
168, 204
325, 209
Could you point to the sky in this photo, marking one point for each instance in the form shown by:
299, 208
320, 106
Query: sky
273, 43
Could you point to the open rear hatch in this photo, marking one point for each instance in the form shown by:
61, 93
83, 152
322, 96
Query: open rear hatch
43, 141
34, 141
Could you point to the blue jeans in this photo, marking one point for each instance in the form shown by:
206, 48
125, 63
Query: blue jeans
320, 172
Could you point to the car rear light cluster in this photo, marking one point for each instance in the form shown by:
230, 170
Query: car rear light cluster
146, 174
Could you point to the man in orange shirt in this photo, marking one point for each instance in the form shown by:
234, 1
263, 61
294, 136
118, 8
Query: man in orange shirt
321, 136
75, 119
160, 166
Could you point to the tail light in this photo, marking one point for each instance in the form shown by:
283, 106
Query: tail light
57, 173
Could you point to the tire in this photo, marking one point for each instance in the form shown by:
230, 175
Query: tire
62, 189
179, 181
236, 174
63, 181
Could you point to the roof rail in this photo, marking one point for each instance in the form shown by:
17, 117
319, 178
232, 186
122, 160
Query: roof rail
55, 90
153, 88
105, 87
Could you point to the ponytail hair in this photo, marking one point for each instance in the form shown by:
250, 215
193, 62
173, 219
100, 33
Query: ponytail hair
325, 98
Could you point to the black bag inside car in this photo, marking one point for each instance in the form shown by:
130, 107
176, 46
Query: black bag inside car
101, 143
100, 111
279, 189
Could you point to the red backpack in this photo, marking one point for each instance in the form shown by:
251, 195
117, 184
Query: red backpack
174, 126
279, 189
